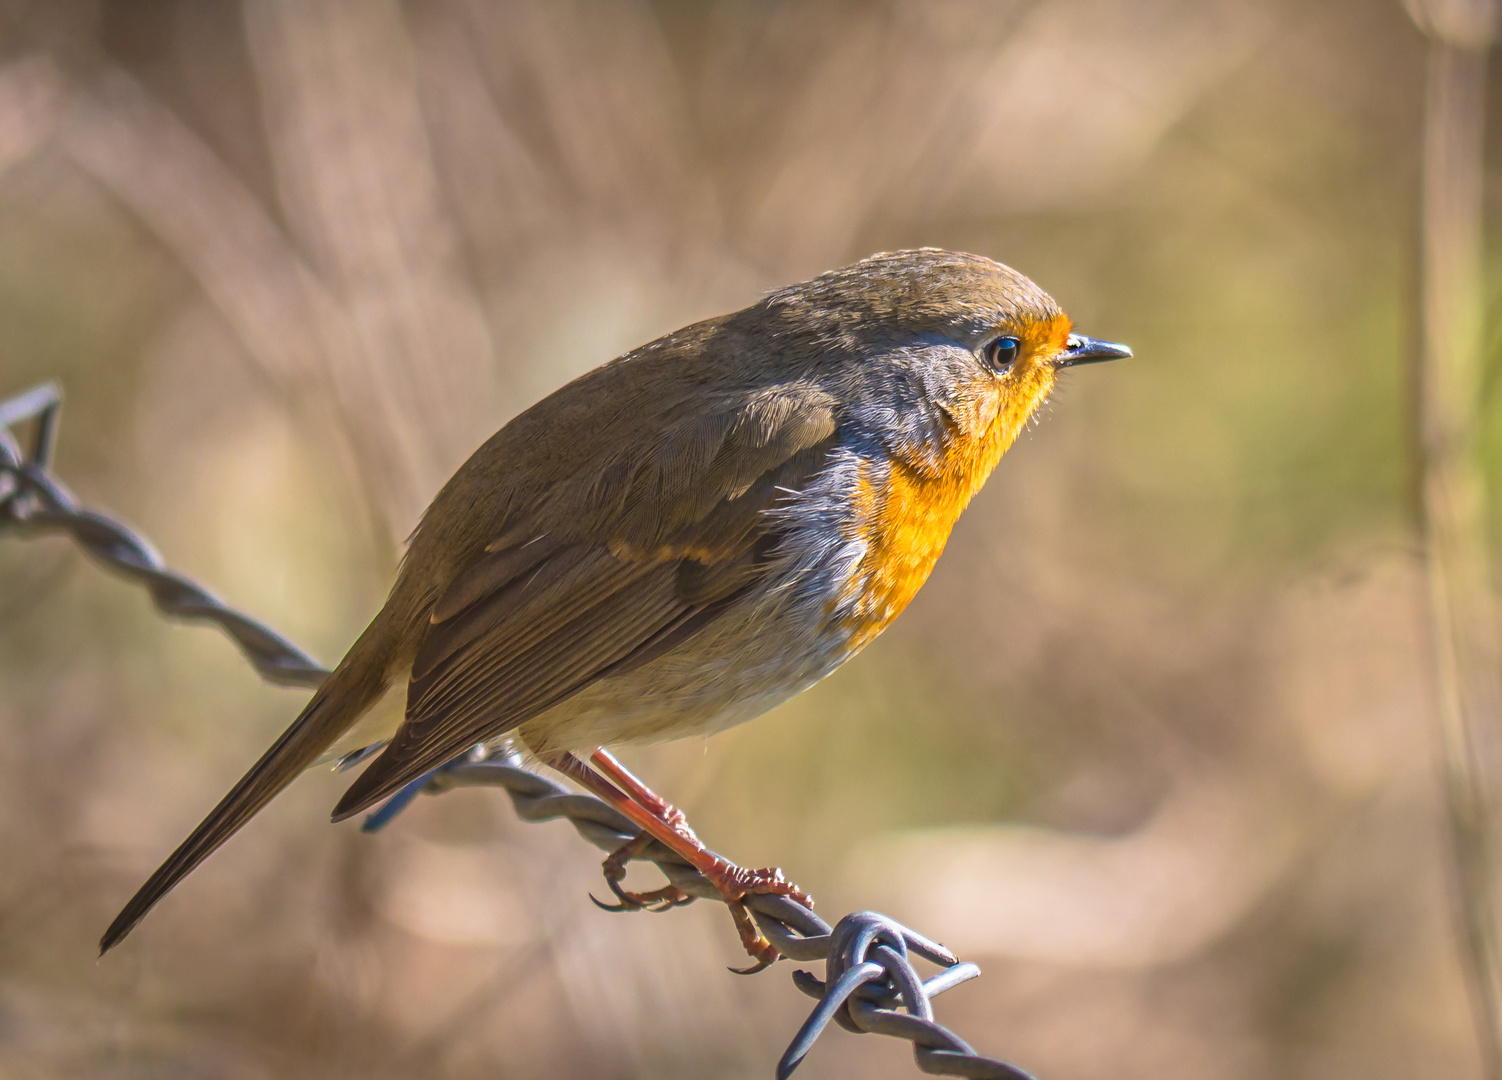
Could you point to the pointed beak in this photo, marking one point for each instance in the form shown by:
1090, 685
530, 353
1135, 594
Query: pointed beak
1085, 350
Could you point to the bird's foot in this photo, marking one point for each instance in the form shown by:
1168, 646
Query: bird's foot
614, 867
735, 883
662, 822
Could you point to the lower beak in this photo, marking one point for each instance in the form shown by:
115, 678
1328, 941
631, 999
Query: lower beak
1084, 350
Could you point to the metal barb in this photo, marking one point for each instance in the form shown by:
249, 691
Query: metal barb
869, 972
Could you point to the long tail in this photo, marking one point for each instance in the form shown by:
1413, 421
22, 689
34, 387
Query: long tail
347, 693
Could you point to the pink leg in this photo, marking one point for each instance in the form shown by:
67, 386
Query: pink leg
626, 780
654, 816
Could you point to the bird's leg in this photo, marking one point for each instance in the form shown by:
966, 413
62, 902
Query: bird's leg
623, 778
666, 825
615, 865
734, 882
652, 825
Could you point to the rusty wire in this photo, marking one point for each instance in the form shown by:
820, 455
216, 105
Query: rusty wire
869, 958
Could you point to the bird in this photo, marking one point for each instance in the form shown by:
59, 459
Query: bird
679, 540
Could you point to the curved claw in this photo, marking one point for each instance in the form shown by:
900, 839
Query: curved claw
669, 896
612, 907
752, 940
762, 963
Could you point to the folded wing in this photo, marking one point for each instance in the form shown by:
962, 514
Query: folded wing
599, 578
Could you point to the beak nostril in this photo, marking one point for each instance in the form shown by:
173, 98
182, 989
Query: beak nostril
1086, 350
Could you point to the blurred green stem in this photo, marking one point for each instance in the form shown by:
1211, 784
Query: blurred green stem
1467, 656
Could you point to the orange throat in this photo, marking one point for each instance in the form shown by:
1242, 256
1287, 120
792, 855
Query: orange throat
904, 513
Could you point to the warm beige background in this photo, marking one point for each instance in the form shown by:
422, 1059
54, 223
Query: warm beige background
1155, 745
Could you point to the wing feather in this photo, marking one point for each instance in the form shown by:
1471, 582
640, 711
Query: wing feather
613, 568
494, 570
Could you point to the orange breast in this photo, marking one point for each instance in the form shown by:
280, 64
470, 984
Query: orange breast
908, 522
905, 513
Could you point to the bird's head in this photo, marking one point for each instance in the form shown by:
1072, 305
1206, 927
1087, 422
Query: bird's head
940, 350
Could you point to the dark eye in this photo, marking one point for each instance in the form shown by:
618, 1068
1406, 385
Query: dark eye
1001, 353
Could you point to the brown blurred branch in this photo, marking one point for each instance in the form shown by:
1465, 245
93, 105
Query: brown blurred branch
1468, 655
357, 184
291, 327
363, 298
29, 93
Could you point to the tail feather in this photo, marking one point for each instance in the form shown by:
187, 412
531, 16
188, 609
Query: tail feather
333, 709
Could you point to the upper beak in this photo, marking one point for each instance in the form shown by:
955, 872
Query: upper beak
1085, 350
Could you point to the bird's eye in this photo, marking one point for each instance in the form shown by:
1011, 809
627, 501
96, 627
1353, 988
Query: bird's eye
1002, 353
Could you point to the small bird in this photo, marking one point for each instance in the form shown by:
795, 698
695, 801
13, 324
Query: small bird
681, 539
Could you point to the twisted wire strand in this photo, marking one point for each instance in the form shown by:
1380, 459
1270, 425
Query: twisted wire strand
869, 958
32, 501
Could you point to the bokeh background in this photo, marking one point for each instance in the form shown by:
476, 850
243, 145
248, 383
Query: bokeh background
1156, 745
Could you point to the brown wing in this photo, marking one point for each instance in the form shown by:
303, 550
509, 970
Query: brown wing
542, 614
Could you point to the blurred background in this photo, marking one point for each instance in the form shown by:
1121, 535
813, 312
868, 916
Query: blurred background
1156, 745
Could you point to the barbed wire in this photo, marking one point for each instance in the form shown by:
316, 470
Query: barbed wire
869, 958
32, 501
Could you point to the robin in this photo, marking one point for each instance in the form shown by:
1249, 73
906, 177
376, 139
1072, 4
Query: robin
680, 540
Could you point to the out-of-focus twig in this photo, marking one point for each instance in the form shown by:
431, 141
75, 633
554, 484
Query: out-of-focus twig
30, 89
358, 188
1468, 659
289, 324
